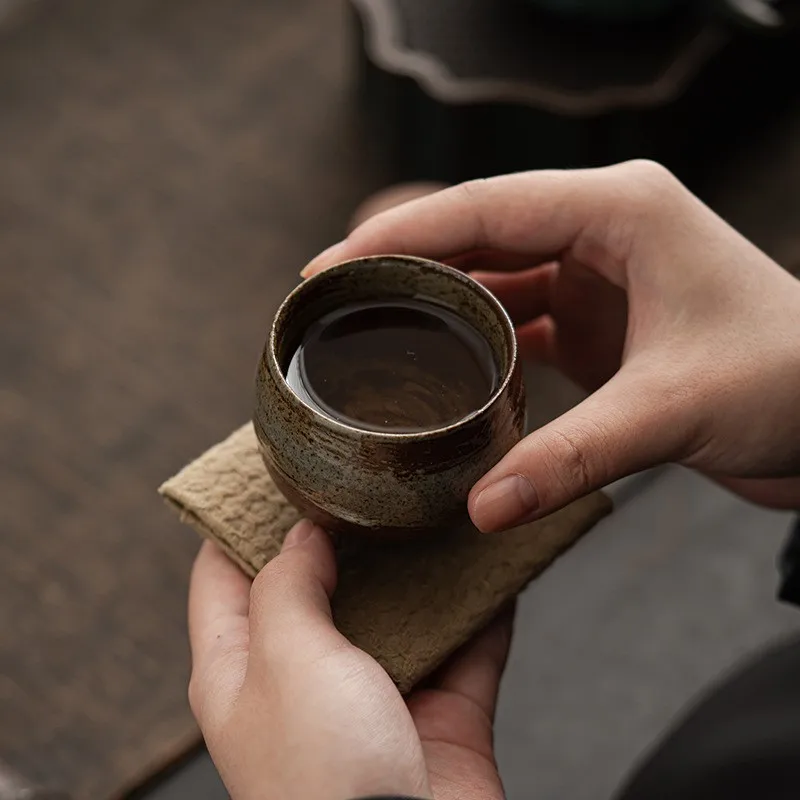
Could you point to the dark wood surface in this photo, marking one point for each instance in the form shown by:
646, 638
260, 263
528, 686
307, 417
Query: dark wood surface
165, 171
14, 786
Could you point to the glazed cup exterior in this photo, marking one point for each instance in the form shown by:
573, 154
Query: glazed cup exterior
358, 481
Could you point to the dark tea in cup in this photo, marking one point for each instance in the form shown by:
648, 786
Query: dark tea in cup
387, 387
397, 366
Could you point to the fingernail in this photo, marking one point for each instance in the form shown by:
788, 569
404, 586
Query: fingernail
501, 505
323, 258
300, 533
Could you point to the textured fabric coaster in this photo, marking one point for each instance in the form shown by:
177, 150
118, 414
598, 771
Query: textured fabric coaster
408, 604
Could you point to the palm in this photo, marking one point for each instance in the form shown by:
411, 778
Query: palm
454, 718
456, 736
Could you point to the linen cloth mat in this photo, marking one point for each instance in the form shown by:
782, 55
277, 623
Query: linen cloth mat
408, 604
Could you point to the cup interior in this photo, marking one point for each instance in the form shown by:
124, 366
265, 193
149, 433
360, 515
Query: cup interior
387, 278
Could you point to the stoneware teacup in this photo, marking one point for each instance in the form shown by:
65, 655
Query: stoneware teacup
353, 480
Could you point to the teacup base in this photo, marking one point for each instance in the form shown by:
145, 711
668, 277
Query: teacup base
334, 525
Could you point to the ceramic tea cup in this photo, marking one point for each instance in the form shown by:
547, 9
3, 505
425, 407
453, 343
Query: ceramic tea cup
353, 480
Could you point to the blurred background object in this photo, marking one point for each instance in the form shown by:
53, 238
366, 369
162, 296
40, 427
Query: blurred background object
750, 13
459, 89
166, 168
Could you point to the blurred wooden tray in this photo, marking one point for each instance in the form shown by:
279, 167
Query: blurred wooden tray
466, 88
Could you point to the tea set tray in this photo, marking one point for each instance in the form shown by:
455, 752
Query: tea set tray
467, 88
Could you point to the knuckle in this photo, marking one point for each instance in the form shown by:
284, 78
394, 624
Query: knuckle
574, 460
648, 169
650, 172
472, 189
649, 184
643, 197
474, 194
271, 580
270, 586
577, 463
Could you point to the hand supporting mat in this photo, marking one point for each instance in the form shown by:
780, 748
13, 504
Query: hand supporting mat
408, 604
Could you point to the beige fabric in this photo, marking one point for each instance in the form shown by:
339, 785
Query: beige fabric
409, 604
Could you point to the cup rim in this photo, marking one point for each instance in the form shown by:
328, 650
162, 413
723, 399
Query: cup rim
386, 436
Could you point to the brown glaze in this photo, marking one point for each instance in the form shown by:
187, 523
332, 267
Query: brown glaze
350, 479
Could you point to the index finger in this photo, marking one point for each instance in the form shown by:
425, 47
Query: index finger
219, 601
476, 670
540, 214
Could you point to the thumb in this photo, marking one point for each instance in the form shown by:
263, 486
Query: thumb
290, 599
633, 422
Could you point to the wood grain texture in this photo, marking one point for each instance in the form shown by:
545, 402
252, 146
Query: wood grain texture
165, 171
14, 787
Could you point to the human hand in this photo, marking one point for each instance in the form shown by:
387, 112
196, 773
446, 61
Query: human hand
686, 334
290, 709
